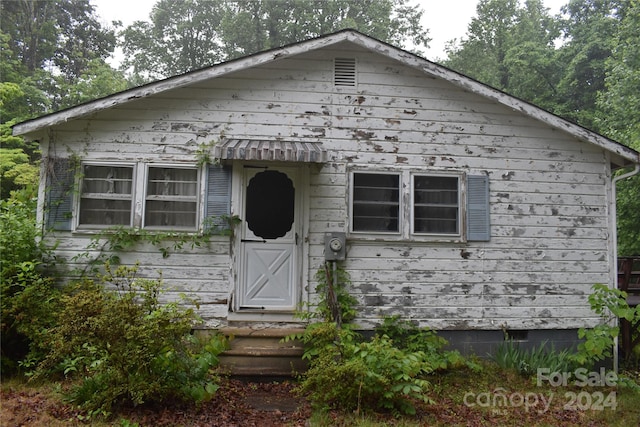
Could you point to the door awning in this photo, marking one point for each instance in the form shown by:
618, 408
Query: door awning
256, 149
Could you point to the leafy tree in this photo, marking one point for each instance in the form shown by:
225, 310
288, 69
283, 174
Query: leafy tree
16, 170
62, 33
590, 31
52, 56
510, 47
619, 105
181, 36
184, 35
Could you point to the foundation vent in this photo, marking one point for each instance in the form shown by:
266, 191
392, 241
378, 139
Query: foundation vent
344, 72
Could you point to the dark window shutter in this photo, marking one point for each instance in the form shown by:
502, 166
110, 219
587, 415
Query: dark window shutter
218, 197
478, 225
59, 200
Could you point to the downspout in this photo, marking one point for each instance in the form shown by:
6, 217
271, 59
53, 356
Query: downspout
614, 242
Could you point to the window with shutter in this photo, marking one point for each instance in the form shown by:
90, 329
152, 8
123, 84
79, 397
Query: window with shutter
434, 207
166, 196
436, 204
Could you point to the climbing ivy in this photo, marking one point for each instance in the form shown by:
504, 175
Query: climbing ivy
110, 243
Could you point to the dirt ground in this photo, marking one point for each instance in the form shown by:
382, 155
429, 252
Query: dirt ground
270, 404
237, 403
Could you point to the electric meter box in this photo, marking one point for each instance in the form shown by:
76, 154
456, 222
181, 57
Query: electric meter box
335, 248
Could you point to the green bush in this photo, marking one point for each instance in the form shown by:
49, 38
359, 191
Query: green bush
409, 337
126, 347
351, 375
28, 299
599, 341
348, 372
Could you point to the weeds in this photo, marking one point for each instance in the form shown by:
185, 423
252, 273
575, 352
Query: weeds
527, 361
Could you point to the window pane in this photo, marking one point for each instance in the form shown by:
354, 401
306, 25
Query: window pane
171, 199
107, 179
172, 182
376, 202
435, 205
167, 214
106, 196
105, 212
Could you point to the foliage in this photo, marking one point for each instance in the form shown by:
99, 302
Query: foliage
126, 347
28, 298
29, 304
186, 35
628, 213
374, 374
110, 243
16, 171
590, 29
526, 362
511, 47
18, 234
336, 304
598, 343
52, 56
53, 43
618, 105
409, 337
351, 373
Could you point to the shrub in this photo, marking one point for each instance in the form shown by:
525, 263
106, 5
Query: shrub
127, 347
28, 299
348, 372
599, 341
352, 375
405, 335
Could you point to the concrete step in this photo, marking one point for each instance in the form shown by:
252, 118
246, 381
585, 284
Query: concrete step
262, 352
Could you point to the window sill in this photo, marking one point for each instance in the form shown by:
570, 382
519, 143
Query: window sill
396, 238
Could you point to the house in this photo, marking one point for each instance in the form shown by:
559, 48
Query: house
448, 202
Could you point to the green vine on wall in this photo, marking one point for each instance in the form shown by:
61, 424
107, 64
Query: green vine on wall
111, 242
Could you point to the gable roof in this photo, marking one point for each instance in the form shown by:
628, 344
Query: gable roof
624, 156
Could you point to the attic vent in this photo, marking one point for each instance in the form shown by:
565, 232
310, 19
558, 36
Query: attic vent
344, 72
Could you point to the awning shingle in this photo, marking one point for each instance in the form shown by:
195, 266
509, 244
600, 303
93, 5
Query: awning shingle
285, 151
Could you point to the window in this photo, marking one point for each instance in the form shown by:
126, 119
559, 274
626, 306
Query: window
411, 205
376, 202
172, 197
436, 204
130, 195
106, 195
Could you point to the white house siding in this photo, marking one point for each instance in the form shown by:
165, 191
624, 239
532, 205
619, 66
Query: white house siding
549, 241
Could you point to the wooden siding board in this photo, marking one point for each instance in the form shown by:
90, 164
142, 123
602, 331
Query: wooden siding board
548, 213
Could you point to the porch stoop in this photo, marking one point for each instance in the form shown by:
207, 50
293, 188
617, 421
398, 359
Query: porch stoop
262, 352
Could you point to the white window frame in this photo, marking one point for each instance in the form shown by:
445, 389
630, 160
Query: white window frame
78, 204
400, 202
197, 198
140, 176
406, 214
459, 222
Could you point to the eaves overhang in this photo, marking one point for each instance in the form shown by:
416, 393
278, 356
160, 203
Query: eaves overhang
622, 156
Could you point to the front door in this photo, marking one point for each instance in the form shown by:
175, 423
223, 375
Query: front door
268, 258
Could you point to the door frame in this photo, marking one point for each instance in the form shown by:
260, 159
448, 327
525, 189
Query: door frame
299, 173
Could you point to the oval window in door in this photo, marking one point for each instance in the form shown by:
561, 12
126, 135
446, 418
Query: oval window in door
270, 204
